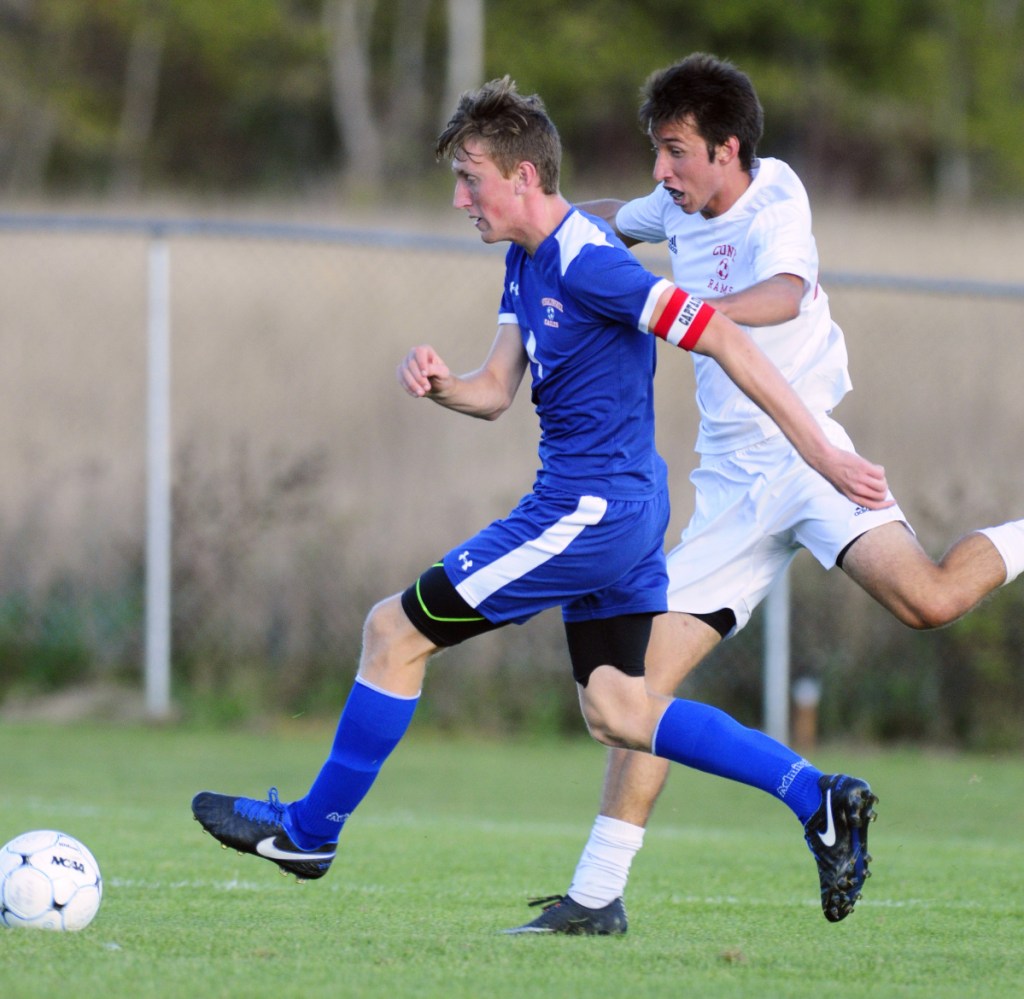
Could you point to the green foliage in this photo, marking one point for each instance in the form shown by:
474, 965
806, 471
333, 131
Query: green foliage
873, 95
984, 686
455, 837
64, 635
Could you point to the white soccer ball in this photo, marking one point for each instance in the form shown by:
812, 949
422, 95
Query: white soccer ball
48, 881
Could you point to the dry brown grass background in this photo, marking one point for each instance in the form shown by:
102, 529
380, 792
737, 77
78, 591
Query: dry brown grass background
283, 362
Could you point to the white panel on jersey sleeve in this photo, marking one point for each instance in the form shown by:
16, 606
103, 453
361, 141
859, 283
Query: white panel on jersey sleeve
655, 293
484, 582
577, 232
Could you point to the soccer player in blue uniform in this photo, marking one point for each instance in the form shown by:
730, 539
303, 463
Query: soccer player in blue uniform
576, 311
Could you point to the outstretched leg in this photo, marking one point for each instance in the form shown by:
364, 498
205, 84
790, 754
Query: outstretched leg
890, 564
621, 710
301, 837
834, 810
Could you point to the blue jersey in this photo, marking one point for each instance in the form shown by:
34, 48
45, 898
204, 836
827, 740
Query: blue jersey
583, 304
590, 536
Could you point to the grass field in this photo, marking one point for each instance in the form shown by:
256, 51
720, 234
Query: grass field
458, 834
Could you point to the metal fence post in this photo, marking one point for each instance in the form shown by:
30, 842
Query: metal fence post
776, 660
158, 483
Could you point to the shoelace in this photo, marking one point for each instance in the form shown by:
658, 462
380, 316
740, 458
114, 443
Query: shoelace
270, 811
548, 901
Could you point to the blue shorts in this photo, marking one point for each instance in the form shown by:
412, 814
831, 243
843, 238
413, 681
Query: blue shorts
594, 557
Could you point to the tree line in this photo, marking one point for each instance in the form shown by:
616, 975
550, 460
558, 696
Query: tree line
868, 98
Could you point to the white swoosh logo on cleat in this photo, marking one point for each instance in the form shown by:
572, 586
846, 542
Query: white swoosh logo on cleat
828, 837
266, 848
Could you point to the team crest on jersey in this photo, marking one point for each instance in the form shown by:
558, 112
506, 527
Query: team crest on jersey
552, 310
724, 254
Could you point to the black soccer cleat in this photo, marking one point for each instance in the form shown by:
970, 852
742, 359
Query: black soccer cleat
565, 915
256, 827
837, 834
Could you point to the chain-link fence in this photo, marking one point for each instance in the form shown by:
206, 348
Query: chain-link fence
307, 485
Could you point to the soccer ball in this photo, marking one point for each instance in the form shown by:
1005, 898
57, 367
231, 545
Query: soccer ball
48, 881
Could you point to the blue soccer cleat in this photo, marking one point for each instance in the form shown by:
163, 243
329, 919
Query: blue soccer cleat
837, 834
257, 827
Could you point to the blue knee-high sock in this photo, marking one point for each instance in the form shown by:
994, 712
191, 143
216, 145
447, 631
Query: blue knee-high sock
700, 736
372, 724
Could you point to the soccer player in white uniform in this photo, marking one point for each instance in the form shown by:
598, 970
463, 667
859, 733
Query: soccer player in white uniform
580, 314
738, 230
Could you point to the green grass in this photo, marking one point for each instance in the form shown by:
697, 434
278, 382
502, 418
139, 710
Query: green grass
456, 836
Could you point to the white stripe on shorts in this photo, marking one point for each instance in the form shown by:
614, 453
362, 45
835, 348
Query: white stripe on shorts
512, 565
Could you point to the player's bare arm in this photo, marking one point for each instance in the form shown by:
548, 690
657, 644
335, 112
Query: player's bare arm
768, 303
708, 332
484, 393
860, 480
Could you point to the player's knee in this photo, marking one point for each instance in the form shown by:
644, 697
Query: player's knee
927, 614
612, 728
605, 735
921, 621
608, 737
383, 624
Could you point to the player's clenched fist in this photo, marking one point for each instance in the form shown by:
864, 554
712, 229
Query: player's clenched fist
422, 372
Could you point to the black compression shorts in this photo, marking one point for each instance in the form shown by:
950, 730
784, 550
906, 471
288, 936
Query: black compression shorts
438, 611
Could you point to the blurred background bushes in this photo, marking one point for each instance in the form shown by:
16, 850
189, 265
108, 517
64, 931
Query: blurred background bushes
123, 98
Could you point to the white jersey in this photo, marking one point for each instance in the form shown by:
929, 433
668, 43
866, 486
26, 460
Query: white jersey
767, 232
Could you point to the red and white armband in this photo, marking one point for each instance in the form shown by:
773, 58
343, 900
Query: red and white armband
683, 319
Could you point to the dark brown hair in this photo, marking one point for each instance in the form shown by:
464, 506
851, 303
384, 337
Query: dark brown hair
718, 99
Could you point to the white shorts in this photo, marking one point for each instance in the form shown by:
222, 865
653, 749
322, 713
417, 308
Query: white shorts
755, 509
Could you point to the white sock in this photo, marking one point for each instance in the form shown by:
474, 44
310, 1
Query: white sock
1009, 542
603, 869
